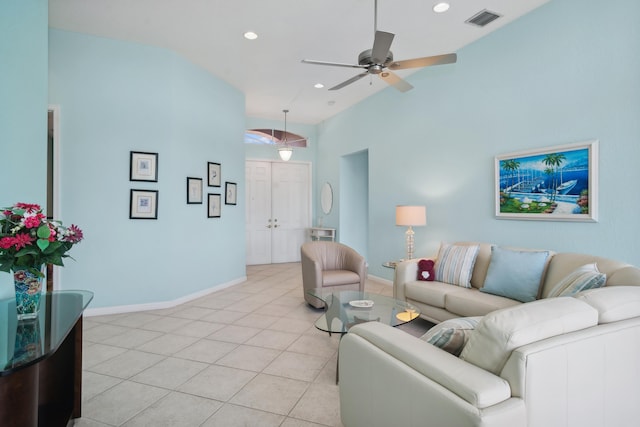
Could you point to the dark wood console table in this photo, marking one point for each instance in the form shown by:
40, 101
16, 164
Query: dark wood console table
41, 361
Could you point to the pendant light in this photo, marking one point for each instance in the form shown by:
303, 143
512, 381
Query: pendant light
285, 150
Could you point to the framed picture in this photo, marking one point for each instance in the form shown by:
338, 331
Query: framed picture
214, 174
230, 193
194, 191
553, 184
214, 202
143, 166
143, 204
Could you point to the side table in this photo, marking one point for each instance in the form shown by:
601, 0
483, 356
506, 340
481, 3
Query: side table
323, 233
41, 361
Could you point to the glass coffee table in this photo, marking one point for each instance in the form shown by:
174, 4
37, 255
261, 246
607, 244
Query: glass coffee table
344, 309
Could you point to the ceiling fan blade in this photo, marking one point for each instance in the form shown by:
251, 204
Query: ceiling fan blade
351, 80
381, 46
424, 62
332, 64
395, 81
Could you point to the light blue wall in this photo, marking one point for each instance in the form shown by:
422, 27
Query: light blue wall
117, 97
23, 106
567, 72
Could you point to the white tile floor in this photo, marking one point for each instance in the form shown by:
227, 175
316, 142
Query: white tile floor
248, 355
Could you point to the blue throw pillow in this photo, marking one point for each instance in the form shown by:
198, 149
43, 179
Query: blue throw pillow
515, 274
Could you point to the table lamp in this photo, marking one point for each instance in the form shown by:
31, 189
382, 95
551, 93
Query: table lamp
410, 216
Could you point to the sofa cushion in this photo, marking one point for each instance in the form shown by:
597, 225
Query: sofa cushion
582, 278
455, 264
614, 303
451, 335
515, 274
339, 277
472, 302
502, 331
432, 293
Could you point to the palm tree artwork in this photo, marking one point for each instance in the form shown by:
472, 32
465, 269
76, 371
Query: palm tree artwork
549, 172
552, 183
511, 166
554, 161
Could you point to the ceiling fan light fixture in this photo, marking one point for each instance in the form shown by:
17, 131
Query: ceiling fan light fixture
250, 35
441, 7
318, 85
379, 58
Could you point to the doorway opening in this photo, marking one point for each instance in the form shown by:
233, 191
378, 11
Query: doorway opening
53, 179
354, 201
278, 210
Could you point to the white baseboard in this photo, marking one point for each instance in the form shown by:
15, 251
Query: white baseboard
380, 280
102, 311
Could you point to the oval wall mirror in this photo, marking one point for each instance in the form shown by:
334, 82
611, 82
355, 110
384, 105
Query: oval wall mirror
326, 198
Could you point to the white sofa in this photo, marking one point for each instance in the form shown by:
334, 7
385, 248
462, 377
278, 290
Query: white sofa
556, 362
439, 301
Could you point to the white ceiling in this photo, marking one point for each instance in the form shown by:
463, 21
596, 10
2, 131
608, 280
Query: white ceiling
268, 70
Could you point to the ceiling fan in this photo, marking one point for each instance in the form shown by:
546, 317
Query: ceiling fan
379, 60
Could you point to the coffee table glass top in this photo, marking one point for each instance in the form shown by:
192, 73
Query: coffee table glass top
345, 309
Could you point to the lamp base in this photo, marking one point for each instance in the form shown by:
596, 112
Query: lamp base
410, 242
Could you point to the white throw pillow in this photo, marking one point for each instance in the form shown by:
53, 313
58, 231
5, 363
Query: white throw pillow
582, 278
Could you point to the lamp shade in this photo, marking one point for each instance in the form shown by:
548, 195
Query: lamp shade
285, 153
411, 215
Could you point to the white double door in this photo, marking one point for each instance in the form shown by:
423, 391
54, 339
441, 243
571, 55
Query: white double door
278, 210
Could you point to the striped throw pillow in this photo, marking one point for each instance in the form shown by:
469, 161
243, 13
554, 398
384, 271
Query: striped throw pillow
455, 264
582, 278
451, 335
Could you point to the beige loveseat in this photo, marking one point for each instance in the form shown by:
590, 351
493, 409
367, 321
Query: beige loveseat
439, 301
556, 362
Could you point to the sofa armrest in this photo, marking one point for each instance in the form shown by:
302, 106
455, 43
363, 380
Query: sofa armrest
311, 270
406, 271
388, 377
356, 263
475, 385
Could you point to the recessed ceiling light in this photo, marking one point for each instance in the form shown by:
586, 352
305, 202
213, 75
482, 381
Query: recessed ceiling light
318, 85
250, 35
441, 7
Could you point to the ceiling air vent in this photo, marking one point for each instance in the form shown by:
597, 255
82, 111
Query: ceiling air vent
482, 18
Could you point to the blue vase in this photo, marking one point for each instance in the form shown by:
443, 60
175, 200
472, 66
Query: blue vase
28, 286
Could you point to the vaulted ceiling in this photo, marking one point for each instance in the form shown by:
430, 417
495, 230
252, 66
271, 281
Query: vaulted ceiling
268, 70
